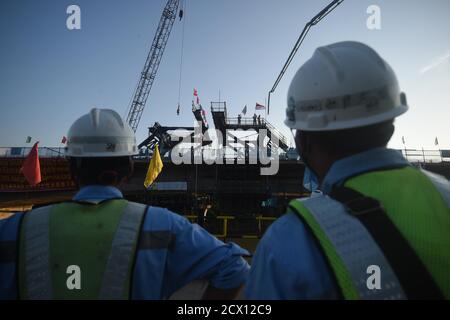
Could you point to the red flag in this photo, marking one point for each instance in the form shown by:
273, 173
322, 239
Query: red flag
195, 92
259, 106
31, 168
64, 140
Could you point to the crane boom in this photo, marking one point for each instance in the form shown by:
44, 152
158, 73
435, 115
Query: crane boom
316, 19
152, 63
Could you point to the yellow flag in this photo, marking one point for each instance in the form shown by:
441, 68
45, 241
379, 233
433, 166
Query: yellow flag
154, 168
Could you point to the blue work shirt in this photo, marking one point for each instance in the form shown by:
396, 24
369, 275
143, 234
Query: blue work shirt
288, 263
158, 272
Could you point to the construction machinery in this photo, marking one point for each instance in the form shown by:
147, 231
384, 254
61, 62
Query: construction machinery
152, 62
315, 20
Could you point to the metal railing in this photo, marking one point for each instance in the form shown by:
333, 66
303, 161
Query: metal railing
218, 107
245, 227
412, 155
21, 152
247, 121
425, 156
280, 136
257, 122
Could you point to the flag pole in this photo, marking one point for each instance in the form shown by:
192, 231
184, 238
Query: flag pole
406, 152
439, 147
265, 109
60, 145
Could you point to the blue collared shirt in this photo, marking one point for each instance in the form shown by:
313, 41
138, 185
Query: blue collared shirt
288, 263
158, 272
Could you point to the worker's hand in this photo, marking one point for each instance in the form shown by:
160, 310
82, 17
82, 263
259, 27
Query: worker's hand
212, 293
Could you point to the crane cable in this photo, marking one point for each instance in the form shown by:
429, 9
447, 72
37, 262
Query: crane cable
183, 9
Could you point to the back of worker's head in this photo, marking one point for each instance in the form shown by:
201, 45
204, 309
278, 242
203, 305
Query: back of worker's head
100, 146
343, 101
341, 143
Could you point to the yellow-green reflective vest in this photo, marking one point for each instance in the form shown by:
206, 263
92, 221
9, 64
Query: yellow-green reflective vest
417, 203
79, 250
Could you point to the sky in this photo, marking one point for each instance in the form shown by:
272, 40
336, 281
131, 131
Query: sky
51, 75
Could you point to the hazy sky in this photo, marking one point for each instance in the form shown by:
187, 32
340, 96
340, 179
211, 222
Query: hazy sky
50, 75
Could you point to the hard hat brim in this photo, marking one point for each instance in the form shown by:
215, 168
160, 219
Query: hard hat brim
349, 124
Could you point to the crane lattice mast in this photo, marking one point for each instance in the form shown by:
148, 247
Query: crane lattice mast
152, 63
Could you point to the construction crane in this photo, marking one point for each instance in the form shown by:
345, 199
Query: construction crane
152, 63
316, 19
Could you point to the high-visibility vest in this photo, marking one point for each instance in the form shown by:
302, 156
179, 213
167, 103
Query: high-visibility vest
415, 202
97, 241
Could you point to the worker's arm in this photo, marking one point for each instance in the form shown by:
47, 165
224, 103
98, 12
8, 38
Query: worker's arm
9, 235
196, 255
212, 293
288, 265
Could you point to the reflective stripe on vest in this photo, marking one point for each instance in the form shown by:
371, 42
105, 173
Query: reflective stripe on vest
37, 254
441, 184
37, 247
122, 252
349, 248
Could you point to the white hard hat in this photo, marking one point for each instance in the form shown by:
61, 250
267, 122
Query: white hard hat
343, 85
100, 133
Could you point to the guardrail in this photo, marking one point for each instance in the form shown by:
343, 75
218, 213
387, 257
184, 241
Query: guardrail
277, 132
218, 106
20, 152
250, 121
259, 224
245, 121
412, 155
426, 156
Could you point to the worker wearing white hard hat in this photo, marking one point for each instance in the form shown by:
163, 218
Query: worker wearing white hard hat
379, 227
100, 133
101, 246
